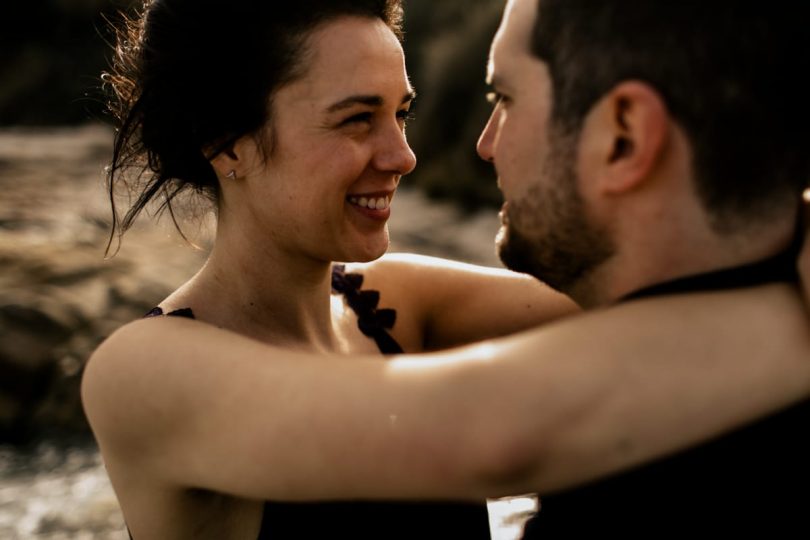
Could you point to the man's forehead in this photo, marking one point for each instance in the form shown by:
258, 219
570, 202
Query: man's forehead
513, 39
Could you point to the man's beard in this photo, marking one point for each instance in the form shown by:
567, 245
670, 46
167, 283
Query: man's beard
547, 233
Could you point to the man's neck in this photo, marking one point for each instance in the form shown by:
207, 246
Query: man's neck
647, 263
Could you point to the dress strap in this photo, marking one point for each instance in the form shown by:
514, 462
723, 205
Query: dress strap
373, 322
186, 313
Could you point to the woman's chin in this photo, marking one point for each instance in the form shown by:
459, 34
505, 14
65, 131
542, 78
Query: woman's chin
369, 252
368, 257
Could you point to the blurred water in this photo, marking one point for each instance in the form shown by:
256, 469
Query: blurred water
60, 494
56, 494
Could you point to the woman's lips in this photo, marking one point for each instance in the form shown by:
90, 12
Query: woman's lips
373, 205
370, 202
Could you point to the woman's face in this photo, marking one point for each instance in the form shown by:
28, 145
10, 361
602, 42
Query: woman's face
336, 146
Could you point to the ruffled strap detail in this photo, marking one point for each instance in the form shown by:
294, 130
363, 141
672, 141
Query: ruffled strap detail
186, 313
373, 322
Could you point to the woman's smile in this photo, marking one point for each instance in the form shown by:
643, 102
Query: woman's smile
376, 205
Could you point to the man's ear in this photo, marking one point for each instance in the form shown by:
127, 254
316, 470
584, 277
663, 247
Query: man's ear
624, 136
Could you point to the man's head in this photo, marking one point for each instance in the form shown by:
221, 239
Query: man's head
546, 231
722, 73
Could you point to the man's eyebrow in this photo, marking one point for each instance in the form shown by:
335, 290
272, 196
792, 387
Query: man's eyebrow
370, 100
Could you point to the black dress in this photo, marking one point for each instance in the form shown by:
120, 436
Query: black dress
750, 482
366, 520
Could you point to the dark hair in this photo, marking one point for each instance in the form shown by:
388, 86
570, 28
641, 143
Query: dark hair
728, 70
193, 76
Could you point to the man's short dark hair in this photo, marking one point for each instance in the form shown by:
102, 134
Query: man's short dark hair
729, 71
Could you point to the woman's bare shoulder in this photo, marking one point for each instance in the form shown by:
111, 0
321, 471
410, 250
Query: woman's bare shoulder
141, 381
122, 372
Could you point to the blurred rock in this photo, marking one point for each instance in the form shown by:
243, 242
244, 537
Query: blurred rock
27, 369
59, 296
447, 47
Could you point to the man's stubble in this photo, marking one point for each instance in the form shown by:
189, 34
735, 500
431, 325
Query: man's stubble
547, 233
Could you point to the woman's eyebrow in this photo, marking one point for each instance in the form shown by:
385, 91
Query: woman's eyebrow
370, 100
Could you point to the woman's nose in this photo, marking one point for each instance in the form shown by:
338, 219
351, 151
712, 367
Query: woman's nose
394, 153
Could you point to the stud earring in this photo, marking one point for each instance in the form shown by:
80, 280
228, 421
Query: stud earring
231, 175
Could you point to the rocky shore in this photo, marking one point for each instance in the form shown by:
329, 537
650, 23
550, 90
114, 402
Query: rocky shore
59, 298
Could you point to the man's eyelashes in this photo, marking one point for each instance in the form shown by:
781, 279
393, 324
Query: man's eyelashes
406, 116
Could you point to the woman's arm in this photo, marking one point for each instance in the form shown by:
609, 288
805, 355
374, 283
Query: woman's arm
200, 407
454, 303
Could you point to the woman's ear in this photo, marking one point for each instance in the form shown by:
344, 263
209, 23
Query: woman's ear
625, 135
226, 164
230, 162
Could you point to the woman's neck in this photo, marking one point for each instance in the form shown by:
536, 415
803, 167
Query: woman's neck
265, 293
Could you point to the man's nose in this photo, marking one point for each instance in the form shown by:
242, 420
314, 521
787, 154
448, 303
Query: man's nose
486, 142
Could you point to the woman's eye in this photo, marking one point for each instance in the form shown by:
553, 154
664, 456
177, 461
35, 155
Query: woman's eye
404, 117
361, 118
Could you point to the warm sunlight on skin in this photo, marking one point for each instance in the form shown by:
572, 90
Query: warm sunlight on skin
338, 153
429, 363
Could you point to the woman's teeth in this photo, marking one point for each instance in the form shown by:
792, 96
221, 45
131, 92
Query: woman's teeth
380, 203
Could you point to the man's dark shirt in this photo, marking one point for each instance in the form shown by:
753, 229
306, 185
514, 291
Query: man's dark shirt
751, 481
